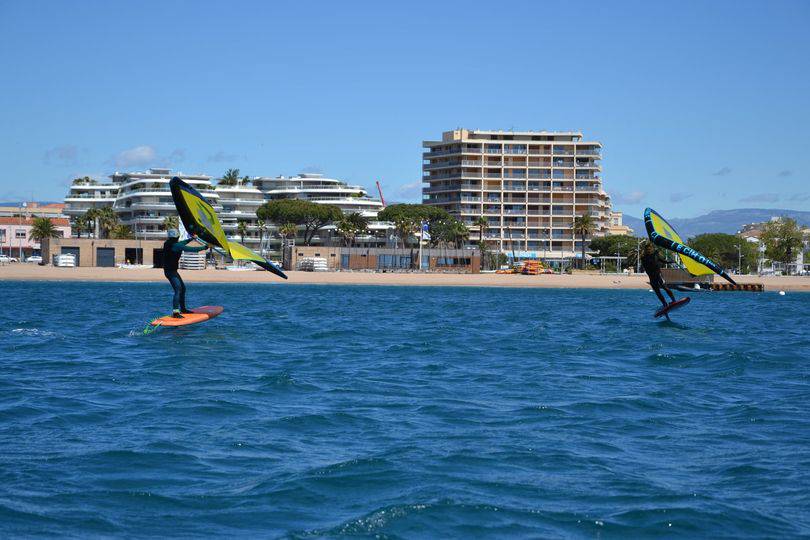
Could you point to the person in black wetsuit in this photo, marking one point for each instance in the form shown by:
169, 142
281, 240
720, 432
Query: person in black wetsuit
651, 261
173, 248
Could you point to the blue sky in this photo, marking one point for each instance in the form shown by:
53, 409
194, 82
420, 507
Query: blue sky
699, 105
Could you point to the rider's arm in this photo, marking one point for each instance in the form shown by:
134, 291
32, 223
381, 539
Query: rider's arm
183, 246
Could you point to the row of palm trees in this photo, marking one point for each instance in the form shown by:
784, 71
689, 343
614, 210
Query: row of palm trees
584, 226
103, 223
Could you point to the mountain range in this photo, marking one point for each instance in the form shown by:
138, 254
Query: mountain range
720, 221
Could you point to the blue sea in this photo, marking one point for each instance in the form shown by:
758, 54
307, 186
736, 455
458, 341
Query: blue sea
402, 412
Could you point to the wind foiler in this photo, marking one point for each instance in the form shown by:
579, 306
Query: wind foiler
662, 234
200, 219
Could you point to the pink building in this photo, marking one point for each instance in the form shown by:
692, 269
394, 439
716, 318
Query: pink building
15, 235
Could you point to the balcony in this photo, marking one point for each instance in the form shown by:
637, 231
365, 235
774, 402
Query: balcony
441, 165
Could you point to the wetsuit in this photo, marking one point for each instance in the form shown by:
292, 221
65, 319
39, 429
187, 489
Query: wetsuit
652, 265
172, 250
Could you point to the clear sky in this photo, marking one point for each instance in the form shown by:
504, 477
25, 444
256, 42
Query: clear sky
699, 105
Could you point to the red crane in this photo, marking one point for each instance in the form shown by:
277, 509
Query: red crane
379, 190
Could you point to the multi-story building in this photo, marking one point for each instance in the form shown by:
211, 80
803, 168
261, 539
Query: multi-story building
86, 193
528, 186
239, 203
615, 225
322, 190
15, 235
142, 200
34, 209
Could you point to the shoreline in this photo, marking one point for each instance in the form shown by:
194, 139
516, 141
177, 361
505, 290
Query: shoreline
27, 272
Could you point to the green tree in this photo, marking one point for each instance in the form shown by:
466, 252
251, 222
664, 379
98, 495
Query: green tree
121, 232
84, 181
408, 217
82, 223
43, 228
230, 178
242, 229
782, 239
584, 226
104, 219
307, 214
171, 222
449, 231
351, 225
613, 244
610, 245
726, 250
245, 181
288, 230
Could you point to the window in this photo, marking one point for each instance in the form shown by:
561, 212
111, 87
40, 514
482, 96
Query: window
20, 233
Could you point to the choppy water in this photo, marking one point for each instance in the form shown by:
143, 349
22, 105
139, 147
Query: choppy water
402, 412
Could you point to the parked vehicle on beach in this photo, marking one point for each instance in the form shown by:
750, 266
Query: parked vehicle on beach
5, 259
34, 259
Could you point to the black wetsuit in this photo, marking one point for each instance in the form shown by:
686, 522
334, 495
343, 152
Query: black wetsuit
172, 250
652, 265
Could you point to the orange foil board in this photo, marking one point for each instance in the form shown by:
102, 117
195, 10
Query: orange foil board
197, 315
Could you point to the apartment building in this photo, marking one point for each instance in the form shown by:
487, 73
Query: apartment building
141, 200
322, 190
528, 186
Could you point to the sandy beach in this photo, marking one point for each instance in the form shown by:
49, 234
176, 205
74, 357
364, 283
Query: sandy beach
30, 272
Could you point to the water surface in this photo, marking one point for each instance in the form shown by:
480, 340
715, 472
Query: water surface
402, 412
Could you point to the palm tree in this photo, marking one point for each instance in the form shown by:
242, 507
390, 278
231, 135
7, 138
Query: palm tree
245, 181
242, 228
230, 178
482, 225
288, 229
43, 228
171, 222
82, 223
352, 225
584, 225
262, 226
121, 232
107, 220
459, 233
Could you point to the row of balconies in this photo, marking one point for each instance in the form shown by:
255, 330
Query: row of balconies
531, 150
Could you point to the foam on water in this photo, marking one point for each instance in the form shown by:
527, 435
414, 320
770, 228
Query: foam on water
310, 411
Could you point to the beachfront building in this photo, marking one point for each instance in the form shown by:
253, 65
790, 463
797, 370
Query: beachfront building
239, 203
320, 189
86, 193
141, 200
528, 186
144, 200
15, 235
615, 225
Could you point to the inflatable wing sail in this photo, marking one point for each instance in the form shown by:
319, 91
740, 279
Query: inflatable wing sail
199, 218
662, 234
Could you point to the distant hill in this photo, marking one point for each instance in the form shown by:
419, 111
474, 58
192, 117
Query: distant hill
723, 221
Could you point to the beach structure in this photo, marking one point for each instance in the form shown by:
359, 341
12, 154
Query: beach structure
15, 236
323, 190
104, 252
382, 259
527, 185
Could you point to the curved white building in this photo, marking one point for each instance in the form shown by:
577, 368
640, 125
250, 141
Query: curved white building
320, 189
141, 200
239, 204
144, 199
